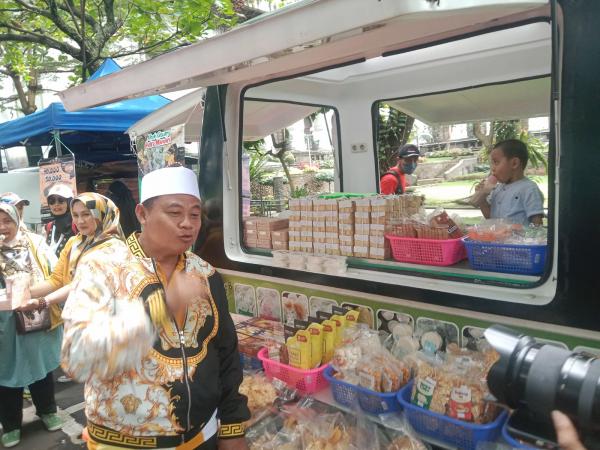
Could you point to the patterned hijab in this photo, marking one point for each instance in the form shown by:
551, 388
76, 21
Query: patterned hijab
14, 255
106, 214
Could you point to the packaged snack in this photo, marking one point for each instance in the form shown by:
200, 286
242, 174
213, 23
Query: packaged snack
328, 432
352, 318
298, 347
440, 219
369, 375
340, 322
455, 387
316, 342
260, 392
493, 230
329, 338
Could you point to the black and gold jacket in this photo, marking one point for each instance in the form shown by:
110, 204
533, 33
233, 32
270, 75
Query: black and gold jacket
190, 372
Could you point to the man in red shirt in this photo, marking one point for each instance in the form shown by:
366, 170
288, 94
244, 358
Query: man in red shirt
394, 180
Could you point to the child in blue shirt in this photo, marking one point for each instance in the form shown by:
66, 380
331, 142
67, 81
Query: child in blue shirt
515, 197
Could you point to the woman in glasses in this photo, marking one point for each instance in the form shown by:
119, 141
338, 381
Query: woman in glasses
61, 228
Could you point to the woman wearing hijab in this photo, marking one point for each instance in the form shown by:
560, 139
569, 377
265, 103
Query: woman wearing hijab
27, 359
61, 229
97, 219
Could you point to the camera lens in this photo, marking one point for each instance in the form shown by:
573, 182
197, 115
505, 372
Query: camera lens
541, 378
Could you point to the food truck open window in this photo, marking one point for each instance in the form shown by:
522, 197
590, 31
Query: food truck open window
492, 81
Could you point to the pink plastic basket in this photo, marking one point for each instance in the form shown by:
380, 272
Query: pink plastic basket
433, 252
306, 381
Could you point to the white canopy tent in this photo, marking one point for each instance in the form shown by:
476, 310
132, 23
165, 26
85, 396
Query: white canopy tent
261, 118
187, 110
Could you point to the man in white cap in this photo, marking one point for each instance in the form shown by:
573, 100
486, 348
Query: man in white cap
164, 371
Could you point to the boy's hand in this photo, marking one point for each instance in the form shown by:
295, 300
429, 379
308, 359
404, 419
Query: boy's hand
479, 186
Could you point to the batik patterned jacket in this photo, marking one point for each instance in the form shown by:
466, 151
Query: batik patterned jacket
155, 397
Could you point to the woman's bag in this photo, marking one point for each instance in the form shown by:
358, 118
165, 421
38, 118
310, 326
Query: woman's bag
32, 321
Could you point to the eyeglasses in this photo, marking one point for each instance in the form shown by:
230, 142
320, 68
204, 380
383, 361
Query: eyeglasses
53, 200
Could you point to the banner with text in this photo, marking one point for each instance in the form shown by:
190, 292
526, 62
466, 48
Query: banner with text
56, 171
160, 149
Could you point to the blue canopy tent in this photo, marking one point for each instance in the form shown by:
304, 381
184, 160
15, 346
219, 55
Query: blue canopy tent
96, 132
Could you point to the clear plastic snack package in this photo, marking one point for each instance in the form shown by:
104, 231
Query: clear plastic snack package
454, 386
260, 392
397, 434
329, 432
493, 230
365, 362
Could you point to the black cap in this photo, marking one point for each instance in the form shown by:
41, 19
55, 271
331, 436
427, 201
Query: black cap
408, 150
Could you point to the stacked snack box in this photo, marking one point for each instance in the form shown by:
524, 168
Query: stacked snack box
306, 225
332, 236
362, 226
258, 231
295, 229
280, 239
336, 226
408, 205
255, 333
346, 209
320, 207
382, 212
251, 232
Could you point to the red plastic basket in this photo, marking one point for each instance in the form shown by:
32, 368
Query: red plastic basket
306, 381
433, 252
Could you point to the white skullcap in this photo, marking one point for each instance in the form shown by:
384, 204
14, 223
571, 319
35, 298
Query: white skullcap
167, 181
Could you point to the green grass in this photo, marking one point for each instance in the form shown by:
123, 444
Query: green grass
430, 159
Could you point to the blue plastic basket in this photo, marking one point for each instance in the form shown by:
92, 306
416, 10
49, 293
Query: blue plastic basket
250, 363
370, 401
506, 258
455, 432
512, 441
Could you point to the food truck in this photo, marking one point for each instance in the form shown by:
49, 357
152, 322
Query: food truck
437, 61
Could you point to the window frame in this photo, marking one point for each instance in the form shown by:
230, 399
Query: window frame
336, 152
551, 180
537, 293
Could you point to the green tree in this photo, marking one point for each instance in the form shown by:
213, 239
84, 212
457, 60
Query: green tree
78, 35
282, 143
258, 160
502, 130
393, 130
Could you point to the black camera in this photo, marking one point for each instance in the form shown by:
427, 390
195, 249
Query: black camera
534, 379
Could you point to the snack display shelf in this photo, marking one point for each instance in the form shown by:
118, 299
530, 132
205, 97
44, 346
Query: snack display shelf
458, 270
326, 397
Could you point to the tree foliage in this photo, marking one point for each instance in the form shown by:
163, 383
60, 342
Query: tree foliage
393, 131
502, 130
38, 37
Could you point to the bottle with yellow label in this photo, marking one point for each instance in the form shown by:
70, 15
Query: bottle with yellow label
299, 350
316, 341
352, 318
329, 331
340, 322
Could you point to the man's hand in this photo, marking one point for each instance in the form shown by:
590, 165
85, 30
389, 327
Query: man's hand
568, 439
234, 444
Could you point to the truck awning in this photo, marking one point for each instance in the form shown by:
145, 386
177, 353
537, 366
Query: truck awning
303, 37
